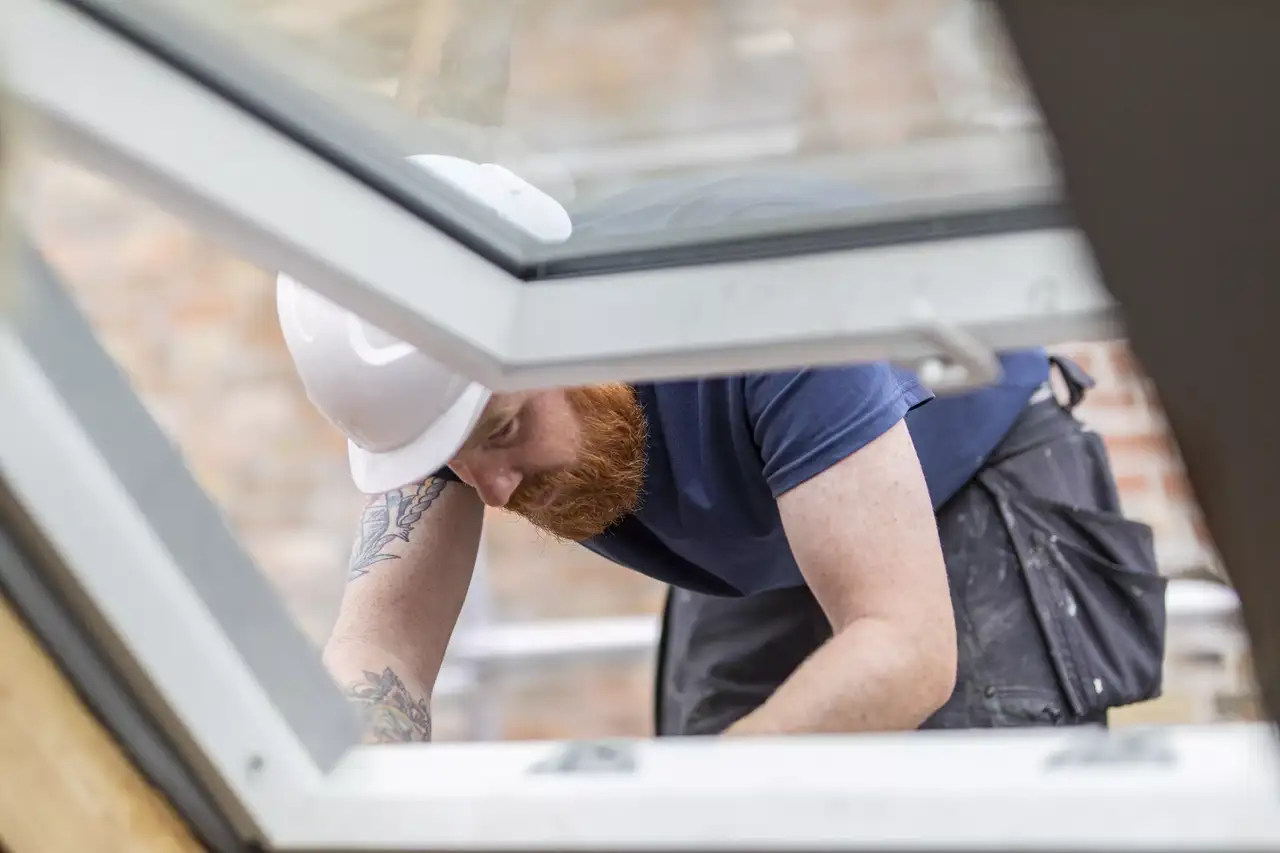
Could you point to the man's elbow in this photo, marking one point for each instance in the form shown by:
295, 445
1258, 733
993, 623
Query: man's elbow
935, 665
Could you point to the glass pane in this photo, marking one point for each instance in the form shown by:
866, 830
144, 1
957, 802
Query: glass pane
194, 329
915, 107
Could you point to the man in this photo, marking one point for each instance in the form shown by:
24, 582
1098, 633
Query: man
845, 552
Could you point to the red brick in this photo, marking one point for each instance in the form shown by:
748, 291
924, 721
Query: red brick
1177, 487
1126, 365
1159, 445
1133, 485
1122, 397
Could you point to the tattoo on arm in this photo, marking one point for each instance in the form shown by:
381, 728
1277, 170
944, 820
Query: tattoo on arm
392, 715
390, 517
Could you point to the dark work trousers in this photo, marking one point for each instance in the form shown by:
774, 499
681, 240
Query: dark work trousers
1059, 608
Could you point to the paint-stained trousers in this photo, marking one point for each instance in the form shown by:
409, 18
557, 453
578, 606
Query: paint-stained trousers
1058, 605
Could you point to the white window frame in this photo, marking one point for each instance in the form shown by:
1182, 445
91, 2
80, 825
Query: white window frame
284, 207
161, 585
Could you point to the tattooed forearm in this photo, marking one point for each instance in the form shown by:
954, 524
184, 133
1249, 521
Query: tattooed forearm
392, 715
390, 517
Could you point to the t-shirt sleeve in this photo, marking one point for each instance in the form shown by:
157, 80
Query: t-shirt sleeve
805, 421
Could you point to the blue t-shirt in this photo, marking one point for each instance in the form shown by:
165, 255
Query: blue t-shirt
722, 450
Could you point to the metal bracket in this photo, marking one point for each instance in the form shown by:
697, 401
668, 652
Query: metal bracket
967, 362
1092, 747
615, 756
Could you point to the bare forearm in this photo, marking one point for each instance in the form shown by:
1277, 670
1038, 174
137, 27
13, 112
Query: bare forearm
410, 567
873, 676
394, 701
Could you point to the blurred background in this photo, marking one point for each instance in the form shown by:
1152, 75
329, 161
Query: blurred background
913, 99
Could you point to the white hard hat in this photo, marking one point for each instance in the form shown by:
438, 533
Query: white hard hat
405, 414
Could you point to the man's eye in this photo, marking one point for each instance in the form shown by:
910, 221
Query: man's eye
505, 432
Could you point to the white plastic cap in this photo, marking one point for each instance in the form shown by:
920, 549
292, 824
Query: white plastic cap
405, 415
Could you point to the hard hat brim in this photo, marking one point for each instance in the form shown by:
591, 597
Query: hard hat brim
377, 472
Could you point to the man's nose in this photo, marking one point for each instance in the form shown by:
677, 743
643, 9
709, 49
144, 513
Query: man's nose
496, 487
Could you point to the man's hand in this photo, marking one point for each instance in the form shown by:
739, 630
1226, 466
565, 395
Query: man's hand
865, 537
410, 568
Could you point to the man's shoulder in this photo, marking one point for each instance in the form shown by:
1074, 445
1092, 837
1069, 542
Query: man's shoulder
688, 396
802, 388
